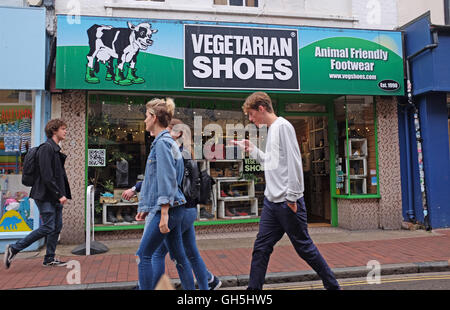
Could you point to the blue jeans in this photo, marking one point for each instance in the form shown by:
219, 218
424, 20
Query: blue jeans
192, 252
277, 219
51, 214
151, 241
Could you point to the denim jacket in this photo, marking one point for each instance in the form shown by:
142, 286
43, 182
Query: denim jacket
163, 172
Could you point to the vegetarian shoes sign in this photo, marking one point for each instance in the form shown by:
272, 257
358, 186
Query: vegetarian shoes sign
170, 55
240, 58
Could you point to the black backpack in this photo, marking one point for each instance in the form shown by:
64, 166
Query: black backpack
191, 181
30, 167
197, 184
206, 183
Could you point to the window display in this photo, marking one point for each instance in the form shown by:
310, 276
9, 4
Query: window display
356, 166
16, 108
118, 146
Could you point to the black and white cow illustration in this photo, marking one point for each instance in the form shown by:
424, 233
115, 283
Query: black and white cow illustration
108, 43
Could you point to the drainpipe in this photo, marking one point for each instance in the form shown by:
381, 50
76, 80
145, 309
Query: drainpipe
411, 212
419, 138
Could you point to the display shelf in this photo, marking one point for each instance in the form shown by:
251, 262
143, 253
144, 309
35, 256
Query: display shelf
105, 207
220, 169
357, 147
253, 207
228, 176
233, 185
356, 181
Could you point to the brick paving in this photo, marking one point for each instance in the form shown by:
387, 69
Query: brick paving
107, 268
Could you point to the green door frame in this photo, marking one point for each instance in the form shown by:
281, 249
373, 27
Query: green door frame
329, 114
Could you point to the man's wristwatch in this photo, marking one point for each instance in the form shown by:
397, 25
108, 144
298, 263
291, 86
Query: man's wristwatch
288, 201
133, 189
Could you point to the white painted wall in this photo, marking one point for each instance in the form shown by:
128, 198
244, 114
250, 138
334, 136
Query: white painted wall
375, 14
337, 13
370, 14
410, 9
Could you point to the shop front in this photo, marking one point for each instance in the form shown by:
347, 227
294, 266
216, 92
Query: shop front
425, 126
22, 97
336, 86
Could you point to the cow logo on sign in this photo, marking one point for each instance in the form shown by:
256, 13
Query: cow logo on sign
123, 44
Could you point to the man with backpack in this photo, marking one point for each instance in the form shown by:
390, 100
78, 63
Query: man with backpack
44, 171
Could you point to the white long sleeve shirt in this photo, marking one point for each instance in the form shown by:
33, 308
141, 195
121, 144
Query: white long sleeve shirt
282, 163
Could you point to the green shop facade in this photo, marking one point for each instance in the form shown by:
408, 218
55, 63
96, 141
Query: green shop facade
337, 87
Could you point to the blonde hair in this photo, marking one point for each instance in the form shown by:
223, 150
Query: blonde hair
163, 109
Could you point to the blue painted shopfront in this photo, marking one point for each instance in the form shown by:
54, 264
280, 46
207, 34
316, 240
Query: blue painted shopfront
428, 49
25, 53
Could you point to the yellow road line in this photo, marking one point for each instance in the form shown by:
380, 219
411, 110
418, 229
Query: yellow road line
364, 282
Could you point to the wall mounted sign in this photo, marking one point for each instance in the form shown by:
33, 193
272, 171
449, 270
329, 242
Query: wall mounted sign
240, 58
107, 53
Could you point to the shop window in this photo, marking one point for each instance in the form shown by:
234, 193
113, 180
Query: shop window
355, 148
118, 147
16, 108
248, 3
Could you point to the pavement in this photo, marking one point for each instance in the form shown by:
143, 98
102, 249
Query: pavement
228, 256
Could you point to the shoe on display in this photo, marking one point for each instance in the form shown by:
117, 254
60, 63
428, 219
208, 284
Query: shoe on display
110, 217
229, 212
205, 214
54, 263
119, 217
236, 193
214, 283
128, 218
223, 194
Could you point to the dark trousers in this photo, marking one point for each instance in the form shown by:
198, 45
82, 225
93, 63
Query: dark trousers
51, 214
277, 219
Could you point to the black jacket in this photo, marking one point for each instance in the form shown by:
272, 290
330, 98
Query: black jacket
51, 183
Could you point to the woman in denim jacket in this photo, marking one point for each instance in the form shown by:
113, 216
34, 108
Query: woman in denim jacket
181, 133
160, 194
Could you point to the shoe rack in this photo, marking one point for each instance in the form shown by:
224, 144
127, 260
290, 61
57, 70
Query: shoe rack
117, 206
358, 166
235, 197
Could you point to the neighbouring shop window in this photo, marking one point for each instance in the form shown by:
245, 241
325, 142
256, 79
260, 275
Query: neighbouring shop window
248, 3
118, 147
355, 146
16, 115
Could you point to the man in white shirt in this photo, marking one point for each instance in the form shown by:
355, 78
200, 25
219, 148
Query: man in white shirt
284, 205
